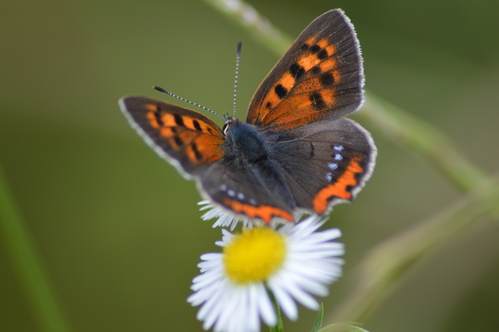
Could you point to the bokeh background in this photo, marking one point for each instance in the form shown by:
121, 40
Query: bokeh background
118, 230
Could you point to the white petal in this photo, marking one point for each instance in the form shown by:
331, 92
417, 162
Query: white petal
265, 306
253, 320
286, 303
298, 294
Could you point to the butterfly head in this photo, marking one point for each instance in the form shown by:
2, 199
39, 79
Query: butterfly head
229, 124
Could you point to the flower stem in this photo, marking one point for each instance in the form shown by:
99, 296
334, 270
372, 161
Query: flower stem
280, 325
21, 249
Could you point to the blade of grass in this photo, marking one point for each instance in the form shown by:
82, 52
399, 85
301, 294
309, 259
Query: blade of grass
19, 245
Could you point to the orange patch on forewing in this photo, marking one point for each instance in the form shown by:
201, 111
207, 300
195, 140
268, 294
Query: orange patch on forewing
167, 119
191, 154
339, 188
296, 108
328, 97
327, 65
152, 120
310, 40
308, 61
286, 81
322, 43
210, 147
205, 128
189, 122
213, 156
337, 76
272, 100
151, 107
308, 86
166, 132
264, 212
187, 136
330, 49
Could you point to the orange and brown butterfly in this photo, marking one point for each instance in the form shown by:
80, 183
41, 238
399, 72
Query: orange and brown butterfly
295, 153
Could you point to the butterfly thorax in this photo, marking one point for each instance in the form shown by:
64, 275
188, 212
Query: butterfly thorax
245, 141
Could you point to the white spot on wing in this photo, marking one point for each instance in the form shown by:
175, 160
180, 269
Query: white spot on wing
329, 177
332, 166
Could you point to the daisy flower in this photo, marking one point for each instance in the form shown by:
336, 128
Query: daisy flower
292, 263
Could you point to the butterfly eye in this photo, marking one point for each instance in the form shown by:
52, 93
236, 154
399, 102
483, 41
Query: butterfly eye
227, 126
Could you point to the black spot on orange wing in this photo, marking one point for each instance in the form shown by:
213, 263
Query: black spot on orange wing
157, 115
322, 54
315, 70
178, 119
178, 140
326, 79
280, 91
315, 48
296, 71
317, 102
197, 125
198, 154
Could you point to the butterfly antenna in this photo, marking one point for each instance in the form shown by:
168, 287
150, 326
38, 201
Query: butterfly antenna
187, 101
238, 56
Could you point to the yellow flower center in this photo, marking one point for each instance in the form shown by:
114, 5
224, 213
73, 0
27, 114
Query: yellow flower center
254, 255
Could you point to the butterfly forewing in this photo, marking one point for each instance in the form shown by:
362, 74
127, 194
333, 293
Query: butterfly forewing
319, 77
185, 138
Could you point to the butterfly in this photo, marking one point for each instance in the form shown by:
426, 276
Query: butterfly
296, 153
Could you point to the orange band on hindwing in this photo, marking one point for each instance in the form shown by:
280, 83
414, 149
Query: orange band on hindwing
264, 212
339, 188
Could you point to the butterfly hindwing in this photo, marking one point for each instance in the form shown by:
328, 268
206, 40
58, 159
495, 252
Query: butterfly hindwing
326, 163
320, 76
257, 191
187, 139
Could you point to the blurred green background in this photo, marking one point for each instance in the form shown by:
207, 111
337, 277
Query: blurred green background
118, 230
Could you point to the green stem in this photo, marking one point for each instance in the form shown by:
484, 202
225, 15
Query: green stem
393, 122
20, 247
381, 270
400, 126
280, 325
258, 26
